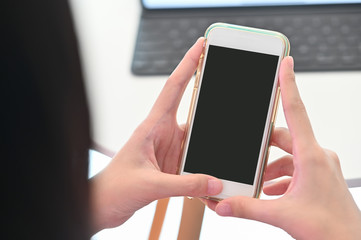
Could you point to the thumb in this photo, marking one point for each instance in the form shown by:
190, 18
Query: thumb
248, 208
192, 185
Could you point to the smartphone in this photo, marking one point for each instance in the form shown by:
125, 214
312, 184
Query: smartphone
233, 107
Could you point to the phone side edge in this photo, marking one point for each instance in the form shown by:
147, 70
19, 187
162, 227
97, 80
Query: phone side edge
191, 110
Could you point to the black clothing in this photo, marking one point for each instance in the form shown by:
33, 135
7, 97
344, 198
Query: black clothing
44, 124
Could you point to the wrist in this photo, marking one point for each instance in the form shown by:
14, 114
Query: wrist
98, 217
107, 205
343, 228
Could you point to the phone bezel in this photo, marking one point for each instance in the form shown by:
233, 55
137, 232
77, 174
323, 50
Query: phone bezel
249, 39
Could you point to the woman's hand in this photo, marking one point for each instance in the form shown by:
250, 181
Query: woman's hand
144, 169
316, 203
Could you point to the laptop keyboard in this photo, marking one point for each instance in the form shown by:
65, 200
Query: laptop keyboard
324, 42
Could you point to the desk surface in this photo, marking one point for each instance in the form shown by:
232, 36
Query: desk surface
119, 101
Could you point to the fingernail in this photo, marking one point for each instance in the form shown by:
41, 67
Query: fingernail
224, 209
214, 187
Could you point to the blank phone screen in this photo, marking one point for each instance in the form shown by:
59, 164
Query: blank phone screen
231, 114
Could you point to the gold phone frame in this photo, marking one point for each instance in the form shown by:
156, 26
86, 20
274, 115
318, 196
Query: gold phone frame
265, 152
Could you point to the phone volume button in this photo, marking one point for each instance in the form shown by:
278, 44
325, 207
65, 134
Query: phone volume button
199, 69
196, 83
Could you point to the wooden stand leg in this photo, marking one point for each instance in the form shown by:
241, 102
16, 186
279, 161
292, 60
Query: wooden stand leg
160, 211
192, 218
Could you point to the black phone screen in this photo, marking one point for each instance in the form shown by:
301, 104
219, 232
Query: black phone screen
231, 114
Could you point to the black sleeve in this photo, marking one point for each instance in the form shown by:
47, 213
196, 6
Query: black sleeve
44, 124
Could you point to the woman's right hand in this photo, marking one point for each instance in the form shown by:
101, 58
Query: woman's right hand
316, 203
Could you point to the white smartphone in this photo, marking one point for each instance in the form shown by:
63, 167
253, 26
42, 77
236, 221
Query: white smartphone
233, 107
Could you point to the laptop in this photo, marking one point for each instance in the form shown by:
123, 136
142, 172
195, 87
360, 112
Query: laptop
325, 35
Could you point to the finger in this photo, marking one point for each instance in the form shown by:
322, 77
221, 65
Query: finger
172, 92
279, 168
277, 188
294, 109
249, 208
281, 138
210, 203
192, 185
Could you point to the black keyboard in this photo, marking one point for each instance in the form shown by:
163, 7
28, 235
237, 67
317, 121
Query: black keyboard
319, 42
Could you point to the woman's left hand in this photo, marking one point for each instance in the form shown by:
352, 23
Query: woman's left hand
144, 169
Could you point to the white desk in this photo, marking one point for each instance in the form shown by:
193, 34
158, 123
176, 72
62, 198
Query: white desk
119, 101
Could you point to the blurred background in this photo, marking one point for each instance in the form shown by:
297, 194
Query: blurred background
129, 47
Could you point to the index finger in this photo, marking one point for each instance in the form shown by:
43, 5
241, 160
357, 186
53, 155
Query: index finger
293, 107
